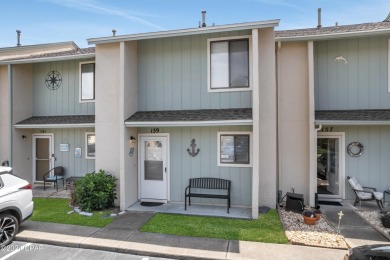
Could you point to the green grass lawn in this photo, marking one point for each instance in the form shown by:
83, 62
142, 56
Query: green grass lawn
267, 228
55, 211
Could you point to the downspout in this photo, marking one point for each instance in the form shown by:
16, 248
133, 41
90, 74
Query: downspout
278, 160
10, 98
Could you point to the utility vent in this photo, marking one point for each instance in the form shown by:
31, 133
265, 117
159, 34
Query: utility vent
319, 25
203, 24
18, 32
387, 18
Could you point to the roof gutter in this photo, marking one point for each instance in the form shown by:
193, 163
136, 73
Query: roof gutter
184, 32
350, 122
188, 123
35, 126
331, 36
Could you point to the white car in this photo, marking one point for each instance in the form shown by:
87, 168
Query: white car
16, 204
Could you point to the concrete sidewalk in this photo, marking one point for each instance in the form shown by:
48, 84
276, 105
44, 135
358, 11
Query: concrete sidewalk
122, 235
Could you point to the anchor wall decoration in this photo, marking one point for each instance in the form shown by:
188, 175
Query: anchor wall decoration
192, 153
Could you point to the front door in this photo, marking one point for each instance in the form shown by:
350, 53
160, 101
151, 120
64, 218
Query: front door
153, 162
43, 155
330, 166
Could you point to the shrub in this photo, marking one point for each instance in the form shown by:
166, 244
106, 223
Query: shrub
96, 191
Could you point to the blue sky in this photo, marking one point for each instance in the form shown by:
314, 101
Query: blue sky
47, 21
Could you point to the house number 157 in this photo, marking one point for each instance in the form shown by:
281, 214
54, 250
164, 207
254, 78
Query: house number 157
154, 130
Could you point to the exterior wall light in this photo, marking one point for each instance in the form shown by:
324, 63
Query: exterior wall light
132, 144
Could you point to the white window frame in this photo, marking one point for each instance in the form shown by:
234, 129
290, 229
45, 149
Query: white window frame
228, 89
86, 145
219, 149
388, 65
80, 83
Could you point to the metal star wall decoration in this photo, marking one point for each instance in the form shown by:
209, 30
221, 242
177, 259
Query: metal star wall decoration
53, 80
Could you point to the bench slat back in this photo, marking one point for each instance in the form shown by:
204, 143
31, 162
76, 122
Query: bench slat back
210, 183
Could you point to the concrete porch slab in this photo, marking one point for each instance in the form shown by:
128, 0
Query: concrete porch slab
195, 209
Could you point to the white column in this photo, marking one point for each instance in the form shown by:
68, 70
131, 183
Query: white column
267, 118
312, 131
256, 123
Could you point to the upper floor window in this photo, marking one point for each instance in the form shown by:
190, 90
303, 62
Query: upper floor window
87, 81
229, 64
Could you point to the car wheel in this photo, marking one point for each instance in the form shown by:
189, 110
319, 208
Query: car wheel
9, 226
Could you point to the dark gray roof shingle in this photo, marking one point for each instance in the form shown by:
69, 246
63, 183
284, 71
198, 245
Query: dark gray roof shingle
192, 115
54, 120
333, 30
353, 115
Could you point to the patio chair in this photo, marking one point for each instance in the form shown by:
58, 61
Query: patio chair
58, 174
365, 193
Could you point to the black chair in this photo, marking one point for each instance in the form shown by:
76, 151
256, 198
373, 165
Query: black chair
58, 174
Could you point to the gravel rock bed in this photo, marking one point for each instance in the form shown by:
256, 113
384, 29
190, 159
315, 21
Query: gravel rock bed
322, 234
372, 217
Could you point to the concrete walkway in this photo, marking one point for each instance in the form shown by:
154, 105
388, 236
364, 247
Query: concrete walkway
356, 230
122, 235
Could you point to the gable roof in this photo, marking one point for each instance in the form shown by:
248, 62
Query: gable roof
334, 32
353, 117
200, 117
183, 32
72, 121
78, 53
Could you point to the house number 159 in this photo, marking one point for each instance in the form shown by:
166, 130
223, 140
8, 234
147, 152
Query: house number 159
154, 130
327, 129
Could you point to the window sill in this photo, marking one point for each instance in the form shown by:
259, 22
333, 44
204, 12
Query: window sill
234, 165
216, 90
87, 101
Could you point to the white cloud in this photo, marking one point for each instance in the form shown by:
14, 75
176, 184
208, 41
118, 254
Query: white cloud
94, 7
283, 3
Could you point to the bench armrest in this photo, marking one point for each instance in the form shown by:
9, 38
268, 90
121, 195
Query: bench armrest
187, 189
370, 188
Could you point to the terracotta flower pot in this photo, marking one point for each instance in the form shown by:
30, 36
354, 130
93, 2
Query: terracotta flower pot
309, 220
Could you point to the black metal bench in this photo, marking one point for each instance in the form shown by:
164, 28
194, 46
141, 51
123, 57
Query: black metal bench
208, 183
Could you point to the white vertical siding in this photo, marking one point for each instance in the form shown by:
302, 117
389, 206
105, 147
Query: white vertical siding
75, 137
184, 167
359, 84
172, 75
372, 168
65, 99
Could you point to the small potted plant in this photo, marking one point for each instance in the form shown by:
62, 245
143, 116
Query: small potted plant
309, 217
385, 218
318, 212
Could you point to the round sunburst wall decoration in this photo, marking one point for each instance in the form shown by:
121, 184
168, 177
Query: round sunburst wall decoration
53, 80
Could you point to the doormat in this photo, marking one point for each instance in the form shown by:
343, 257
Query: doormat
332, 203
151, 204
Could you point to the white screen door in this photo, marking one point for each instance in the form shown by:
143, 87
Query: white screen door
43, 155
153, 168
330, 165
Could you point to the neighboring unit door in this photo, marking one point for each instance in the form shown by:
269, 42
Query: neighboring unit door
153, 168
43, 155
330, 166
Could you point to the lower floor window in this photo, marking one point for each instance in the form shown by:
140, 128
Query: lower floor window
90, 145
234, 148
